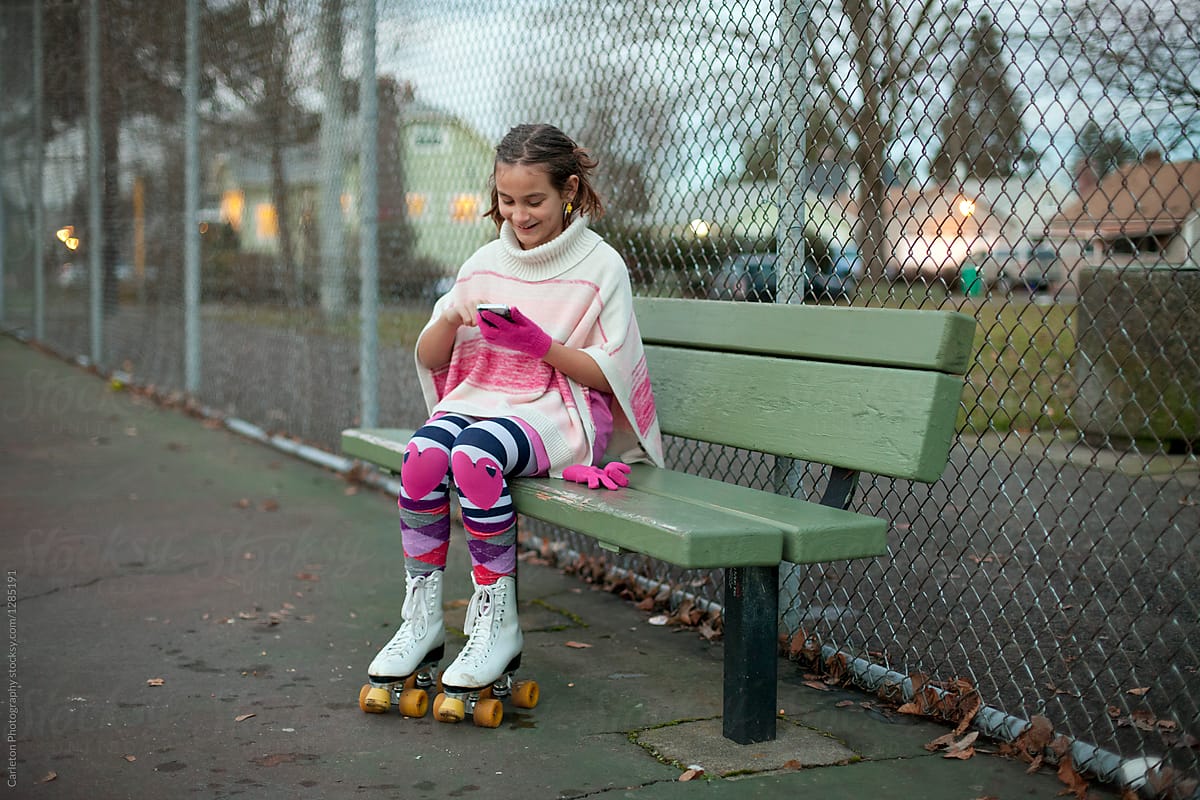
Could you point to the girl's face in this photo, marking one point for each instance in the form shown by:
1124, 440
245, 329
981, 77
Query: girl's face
530, 203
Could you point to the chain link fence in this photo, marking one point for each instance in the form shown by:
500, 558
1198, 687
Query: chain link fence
254, 202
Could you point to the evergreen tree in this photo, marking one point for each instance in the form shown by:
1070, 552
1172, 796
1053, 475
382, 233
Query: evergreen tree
982, 131
1099, 154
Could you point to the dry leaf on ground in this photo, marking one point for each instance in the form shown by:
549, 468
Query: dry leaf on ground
156, 681
578, 645
1071, 778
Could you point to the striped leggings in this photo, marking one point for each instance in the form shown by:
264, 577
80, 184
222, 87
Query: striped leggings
477, 456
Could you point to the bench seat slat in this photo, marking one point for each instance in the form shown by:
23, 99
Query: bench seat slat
663, 527
812, 533
711, 523
666, 528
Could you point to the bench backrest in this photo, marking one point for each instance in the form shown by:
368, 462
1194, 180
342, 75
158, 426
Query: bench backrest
869, 389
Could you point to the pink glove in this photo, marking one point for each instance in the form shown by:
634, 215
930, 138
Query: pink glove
612, 476
520, 333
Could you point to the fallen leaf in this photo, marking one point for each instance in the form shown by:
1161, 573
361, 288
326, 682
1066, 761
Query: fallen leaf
243, 717
269, 505
909, 708
49, 777
945, 740
965, 742
792, 764
578, 645
156, 681
307, 576
130, 759
1138, 692
816, 685
1074, 782
690, 774
243, 503
961, 755
1143, 720
844, 704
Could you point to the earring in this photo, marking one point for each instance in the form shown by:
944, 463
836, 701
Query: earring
567, 213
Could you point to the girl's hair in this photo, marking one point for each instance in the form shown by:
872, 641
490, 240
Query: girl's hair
547, 147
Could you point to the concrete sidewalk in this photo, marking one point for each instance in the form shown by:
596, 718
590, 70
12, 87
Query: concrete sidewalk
148, 547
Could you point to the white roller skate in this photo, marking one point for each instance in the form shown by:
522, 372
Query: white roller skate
406, 668
482, 675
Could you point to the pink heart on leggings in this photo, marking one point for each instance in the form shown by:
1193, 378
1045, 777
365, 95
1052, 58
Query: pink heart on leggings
481, 482
423, 470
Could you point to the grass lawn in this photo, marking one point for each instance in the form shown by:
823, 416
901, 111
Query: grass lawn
1020, 379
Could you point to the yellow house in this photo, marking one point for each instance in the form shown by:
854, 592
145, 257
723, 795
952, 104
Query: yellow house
440, 162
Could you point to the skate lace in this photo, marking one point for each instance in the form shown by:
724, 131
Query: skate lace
415, 621
478, 626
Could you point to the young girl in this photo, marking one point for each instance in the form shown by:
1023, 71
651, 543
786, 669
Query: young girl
546, 388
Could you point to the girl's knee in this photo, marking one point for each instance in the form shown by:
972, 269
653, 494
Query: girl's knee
478, 476
423, 470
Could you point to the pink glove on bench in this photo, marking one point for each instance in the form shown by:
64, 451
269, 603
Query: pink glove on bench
520, 333
612, 476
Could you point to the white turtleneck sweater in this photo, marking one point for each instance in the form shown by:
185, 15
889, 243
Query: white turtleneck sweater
576, 287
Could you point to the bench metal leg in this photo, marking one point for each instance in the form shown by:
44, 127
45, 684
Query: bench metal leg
751, 670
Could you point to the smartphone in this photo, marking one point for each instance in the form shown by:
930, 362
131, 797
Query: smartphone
495, 308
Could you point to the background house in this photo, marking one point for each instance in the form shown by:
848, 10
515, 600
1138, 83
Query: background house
433, 172
1144, 214
446, 164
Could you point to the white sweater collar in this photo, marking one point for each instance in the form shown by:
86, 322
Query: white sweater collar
552, 258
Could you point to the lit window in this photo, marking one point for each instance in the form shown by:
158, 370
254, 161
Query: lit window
266, 222
232, 203
416, 202
464, 207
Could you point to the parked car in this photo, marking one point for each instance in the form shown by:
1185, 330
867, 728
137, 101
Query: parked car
751, 276
1025, 269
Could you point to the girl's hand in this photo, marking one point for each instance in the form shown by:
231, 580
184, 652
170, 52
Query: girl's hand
519, 333
457, 315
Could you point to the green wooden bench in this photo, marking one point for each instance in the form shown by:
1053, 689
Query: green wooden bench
859, 390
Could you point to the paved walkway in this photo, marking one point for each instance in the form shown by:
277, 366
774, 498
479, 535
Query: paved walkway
194, 614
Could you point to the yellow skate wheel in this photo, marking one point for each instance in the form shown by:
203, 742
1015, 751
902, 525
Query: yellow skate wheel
525, 694
448, 709
413, 703
489, 713
374, 699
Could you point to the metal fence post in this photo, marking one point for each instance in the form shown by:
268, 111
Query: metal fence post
95, 236
790, 164
191, 212
39, 200
368, 248
789, 237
